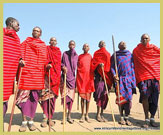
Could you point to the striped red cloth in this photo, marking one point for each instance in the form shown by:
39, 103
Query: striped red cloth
35, 56
11, 56
147, 62
103, 56
54, 58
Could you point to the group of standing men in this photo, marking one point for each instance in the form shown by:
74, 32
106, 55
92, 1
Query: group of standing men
31, 61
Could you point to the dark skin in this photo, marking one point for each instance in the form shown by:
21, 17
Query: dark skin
52, 42
85, 49
71, 46
102, 44
121, 46
99, 115
14, 26
36, 33
145, 40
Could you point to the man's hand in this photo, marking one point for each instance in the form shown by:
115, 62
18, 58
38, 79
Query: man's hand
64, 70
116, 78
22, 63
76, 90
101, 64
48, 66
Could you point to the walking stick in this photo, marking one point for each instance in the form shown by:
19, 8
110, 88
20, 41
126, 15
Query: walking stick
108, 96
49, 100
64, 104
158, 110
14, 102
78, 102
116, 71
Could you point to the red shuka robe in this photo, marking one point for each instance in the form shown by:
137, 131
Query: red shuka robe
54, 58
147, 62
85, 77
103, 56
35, 56
11, 56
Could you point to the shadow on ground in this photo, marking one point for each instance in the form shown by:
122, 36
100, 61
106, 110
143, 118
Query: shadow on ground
17, 118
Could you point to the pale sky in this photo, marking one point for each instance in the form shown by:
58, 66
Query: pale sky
88, 22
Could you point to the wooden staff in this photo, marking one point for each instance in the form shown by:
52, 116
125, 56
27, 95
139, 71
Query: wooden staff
108, 96
14, 102
78, 102
158, 110
64, 104
49, 101
116, 71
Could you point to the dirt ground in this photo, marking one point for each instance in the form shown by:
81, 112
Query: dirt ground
136, 117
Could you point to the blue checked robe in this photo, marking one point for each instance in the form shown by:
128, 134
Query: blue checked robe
126, 73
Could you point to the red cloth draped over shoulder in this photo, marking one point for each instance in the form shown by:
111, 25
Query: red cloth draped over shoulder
103, 56
85, 77
147, 62
54, 58
35, 56
11, 56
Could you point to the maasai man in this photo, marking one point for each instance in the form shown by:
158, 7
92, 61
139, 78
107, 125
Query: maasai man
68, 66
147, 70
11, 56
85, 81
54, 65
127, 81
32, 78
101, 59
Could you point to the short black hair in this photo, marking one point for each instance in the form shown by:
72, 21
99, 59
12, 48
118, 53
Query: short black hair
101, 43
145, 34
38, 28
71, 41
10, 20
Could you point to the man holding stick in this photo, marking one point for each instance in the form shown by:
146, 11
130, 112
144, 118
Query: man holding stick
54, 65
126, 79
34, 55
101, 58
68, 66
11, 58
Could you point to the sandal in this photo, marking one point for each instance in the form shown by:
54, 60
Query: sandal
52, 123
44, 123
70, 120
81, 119
98, 118
23, 128
103, 119
87, 119
62, 121
32, 127
147, 124
122, 121
128, 123
153, 123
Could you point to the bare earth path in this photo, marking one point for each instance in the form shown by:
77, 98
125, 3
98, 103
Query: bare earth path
137, 118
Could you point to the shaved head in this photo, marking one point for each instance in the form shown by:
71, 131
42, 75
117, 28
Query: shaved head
145, 38
122, 45
86, 48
